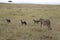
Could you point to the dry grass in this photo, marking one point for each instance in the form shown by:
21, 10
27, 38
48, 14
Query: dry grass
16, 31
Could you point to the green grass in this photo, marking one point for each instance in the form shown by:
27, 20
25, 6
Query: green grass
28, 12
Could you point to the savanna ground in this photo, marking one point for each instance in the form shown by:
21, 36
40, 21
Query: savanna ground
16, 31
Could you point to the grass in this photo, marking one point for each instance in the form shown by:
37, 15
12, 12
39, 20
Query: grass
16, 31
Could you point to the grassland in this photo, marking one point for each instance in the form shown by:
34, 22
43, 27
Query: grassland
16, 31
